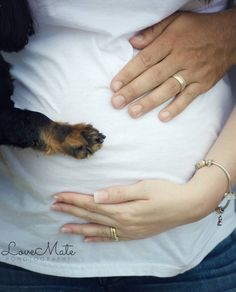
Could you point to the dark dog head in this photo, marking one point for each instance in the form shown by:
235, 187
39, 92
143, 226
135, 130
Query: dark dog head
16, 24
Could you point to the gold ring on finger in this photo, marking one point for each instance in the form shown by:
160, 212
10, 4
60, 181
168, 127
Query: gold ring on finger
181, 80
114, 235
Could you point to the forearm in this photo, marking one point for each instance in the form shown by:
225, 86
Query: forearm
224, 149
211, 182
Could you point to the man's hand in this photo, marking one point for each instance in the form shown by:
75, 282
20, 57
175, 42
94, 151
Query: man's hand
199, 47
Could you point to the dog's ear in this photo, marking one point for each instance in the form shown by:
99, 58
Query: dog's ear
16, 24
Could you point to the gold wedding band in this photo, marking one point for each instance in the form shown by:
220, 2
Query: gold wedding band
181, 81
114, 235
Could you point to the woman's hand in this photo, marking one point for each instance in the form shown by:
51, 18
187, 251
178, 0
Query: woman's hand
137, 211
199, 47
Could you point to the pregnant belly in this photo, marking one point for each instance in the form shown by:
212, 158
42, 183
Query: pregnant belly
133, 150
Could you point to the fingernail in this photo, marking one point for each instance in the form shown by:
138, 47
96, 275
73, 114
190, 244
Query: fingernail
119, 101
66, 230
136, 110
88, 240
116, 85
56, 197
55, 207
165, 116
100, 196
138, 37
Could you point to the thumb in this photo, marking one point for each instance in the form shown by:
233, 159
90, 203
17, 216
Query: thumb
146, 36
121, 194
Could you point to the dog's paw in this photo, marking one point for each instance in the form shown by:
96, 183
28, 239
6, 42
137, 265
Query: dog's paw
79, 141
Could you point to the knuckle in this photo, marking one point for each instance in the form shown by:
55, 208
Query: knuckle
68, 208
190, 94
82, 229
204, 88
169, 38
188, 98
184, 58
88, 217
130, 231
118, 216
116, 213
127, 75
174, 86
155, 78
91, 207
119, 195
158, 74
129, 91
129, 228
104, 233
145, 59
177, 107
150, 101
125, 219
150, 33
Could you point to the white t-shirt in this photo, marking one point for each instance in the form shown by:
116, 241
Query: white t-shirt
65, 72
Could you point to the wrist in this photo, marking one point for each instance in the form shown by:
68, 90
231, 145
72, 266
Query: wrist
205, 192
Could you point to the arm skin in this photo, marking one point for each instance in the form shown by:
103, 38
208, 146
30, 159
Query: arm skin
150, 207
200, 47
223, 151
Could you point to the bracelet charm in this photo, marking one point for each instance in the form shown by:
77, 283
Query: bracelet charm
219, 210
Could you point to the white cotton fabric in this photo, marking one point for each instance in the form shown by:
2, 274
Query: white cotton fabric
65, 73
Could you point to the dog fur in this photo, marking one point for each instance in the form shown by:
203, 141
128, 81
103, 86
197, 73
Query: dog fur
23, 128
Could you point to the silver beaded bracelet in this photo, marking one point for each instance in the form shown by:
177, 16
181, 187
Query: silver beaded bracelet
229, 195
